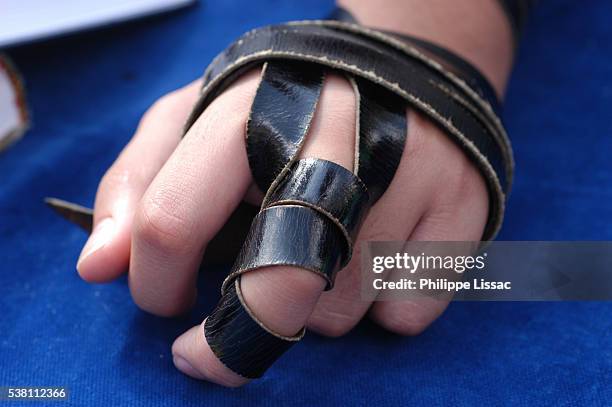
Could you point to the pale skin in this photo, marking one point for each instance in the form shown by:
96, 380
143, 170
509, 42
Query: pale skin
165, 197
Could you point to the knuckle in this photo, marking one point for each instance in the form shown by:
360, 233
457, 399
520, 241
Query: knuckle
113, 177
160, 225
165, 309
465, 186
465, 177
173, 104
451, 171
332, 324
331, 328
163, 105
404, 319
373, 234
456, 177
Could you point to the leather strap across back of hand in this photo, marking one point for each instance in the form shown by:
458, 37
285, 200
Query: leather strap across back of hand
313, 209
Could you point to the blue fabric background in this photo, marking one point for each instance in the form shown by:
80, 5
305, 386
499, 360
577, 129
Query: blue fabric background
87, 93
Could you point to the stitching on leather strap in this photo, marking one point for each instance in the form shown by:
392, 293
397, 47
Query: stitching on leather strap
429, 110
322, 200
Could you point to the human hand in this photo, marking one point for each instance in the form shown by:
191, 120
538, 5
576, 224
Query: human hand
165, 198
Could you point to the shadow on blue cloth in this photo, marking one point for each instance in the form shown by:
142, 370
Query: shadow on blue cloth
87, 93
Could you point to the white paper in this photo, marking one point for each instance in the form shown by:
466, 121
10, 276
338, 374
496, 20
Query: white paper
12, 116
27, 20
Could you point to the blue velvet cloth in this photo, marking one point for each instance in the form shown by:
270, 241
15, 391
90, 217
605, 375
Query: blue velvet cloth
87, 93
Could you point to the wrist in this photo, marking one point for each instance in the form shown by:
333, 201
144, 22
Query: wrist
478, 30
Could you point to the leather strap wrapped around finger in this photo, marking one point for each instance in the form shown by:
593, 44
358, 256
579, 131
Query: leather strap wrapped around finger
313, 209
399, 67
241, 341
310, 220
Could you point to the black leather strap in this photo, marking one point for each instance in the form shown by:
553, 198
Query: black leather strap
383, 125
240, 340
309, 220
313, 209
280, 117
451, 62
291, 235
327, 188
373, 56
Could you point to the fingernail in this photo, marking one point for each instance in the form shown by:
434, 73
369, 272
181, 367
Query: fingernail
185, 367
100, 236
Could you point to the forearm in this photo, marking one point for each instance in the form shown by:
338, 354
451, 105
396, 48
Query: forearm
477, 30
